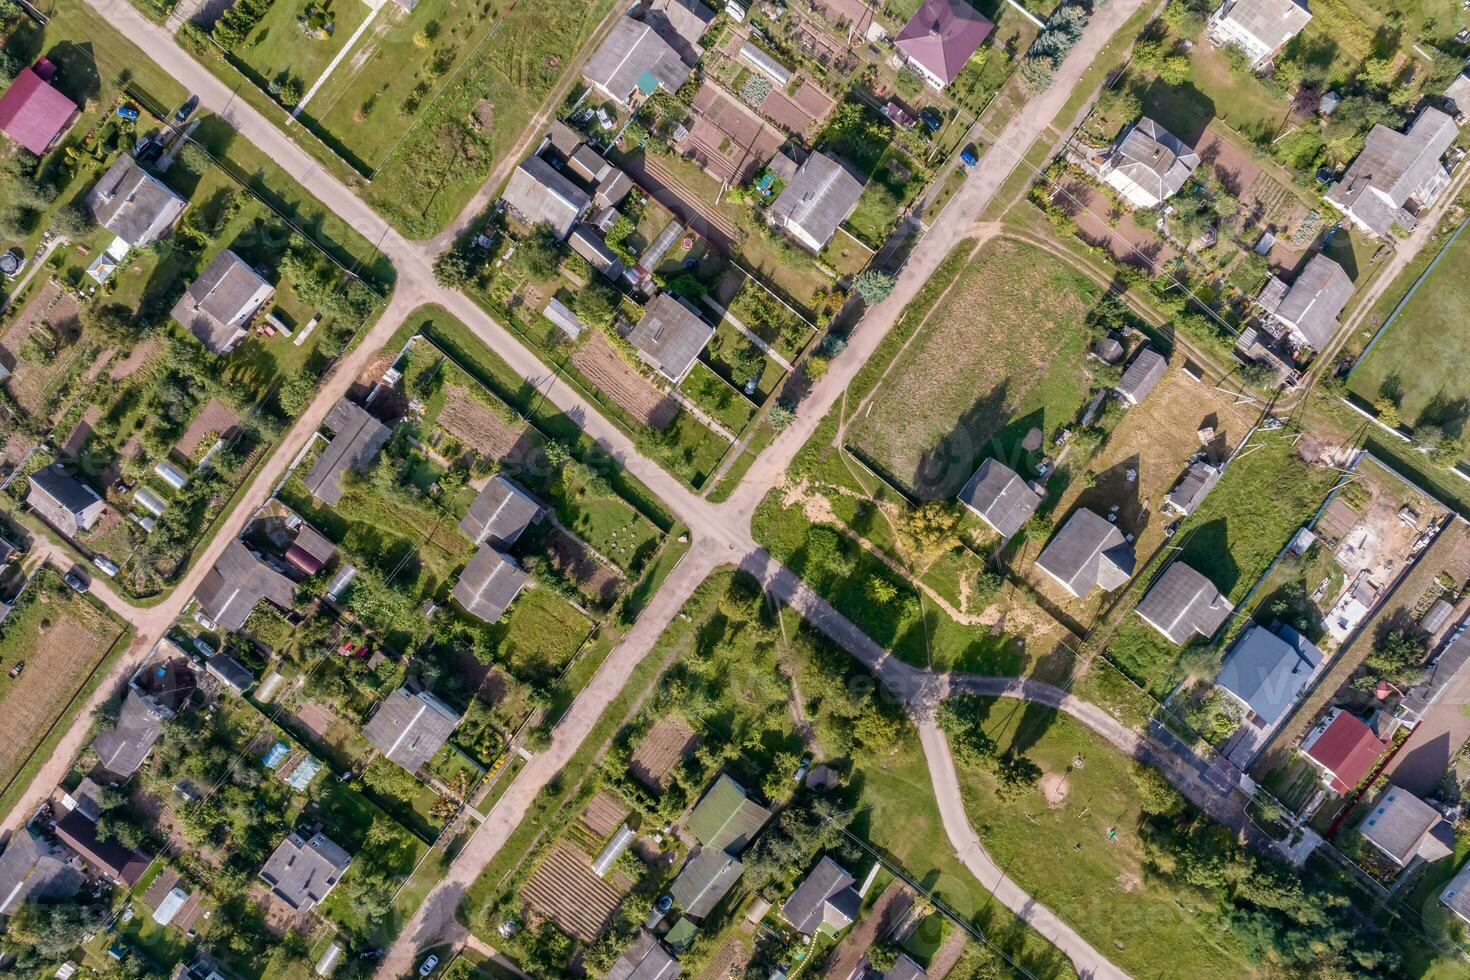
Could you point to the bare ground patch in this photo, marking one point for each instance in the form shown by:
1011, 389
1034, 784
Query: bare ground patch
216, 420
54, 309
665, 745
471, 422
601, 364
564, 889
571, 557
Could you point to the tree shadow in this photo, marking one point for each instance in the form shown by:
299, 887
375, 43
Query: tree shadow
77, 77
943, 469
1447, 411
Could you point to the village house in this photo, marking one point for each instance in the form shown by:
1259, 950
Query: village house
32, 868
1183, 605
1259, 28
726, 818
1308, 309
670, 336
998, 496
1457, 94
310, 551
634, 62
1404, 828
1140, 376
33, 112
1087, 553
540, 194
116, 862
645, 959
500, 513
171, 903
681, 23
818, 199
230, 673
1396, 175
410, 727
63, 501
133, 204
237, 582
589, 243
218, 306
122, 748
357, 438
941, 37
825, 901
1455, 896
489, 584
1344, 749
1148, 165
1267, 670
1192, 488
302, 873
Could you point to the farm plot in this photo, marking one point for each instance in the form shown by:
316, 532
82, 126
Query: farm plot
61, 638
27, 348
940, 407
569, 556
601, 364
565, 890
215, 420
666, 745
1427, 390
603, 815
468, 419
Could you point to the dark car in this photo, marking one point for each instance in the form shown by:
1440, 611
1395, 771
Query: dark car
76, 581
931, 119
187, 109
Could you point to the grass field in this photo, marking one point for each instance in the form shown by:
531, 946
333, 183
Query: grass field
1434, 390
1063, 855
278, 48
941, 407
713, 394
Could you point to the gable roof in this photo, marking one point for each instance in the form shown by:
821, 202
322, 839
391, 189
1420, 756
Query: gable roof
824, 897
410, 728
906, 969
1153, 158
236, 583
489, 584
1458, 92
229, 672
540, 193
1313, 302
310, 550
705, 879
1193, 487
1455, 896
65, 502
682, 23
725, 819
1267, 670
562, 317
818, 199
634, 57
1086, 553
1348, 748
501, 512
122, 864
942, 36
587, 242
1405, 827
998, 495
31, 868
122, 748
357, 438
302, 873
670, 336
1271, 22
133, 204
1184, 604
1394, 167
645, 959
33, 113
1141, 376
217, 305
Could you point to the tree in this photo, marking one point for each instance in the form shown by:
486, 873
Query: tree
115, 324
1395, 658
70, 221
290, 93
874, 285
1159, 797
596, 303
781, 416
881, 591
1014, 775
296, 393
539, 253
882, 956
454, 269
929, 530
1388, 412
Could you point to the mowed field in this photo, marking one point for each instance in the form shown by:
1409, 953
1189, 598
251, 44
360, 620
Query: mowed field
1002, 353
62, 637
1424, 353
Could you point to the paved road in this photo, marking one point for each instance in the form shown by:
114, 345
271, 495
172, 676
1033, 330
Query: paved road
721, 532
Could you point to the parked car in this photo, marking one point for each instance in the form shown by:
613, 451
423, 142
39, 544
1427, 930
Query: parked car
106, 565
931, 119
20, 665
203, 646
187, 109
428, 966
969, 157
75, 580
128, 111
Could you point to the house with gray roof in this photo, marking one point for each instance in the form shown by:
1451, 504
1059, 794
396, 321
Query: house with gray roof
230, 672
357, 438
822, 195
1266, 671
302, 873
589, 243
501, 512
218, 306
541, 194
63, 501
237, 582
634, 62
998, 496
1457, 94
411, 727
682, 23
1183, 604
1087, 553
32, 868
1396, 175
1455, 896
905, 969
1308, 309
489, 584
1405, 828
645, 959
122, 748
706, 878
133, 204
1259, 28
1148, 165
824, 901
670, 336
1193, 487
726, 818
1140, 376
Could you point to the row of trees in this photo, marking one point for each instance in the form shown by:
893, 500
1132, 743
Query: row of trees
962, 718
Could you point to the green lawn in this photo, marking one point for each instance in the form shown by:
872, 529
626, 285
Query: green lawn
539, 634
713, 394
279, 48
1144, 655
941, 407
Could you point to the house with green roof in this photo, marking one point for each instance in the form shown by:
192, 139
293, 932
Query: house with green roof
726, 819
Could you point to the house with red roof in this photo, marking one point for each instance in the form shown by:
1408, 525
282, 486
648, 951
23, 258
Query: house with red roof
33, 113
939, 39
1344, 748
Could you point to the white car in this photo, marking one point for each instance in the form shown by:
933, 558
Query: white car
428, 966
